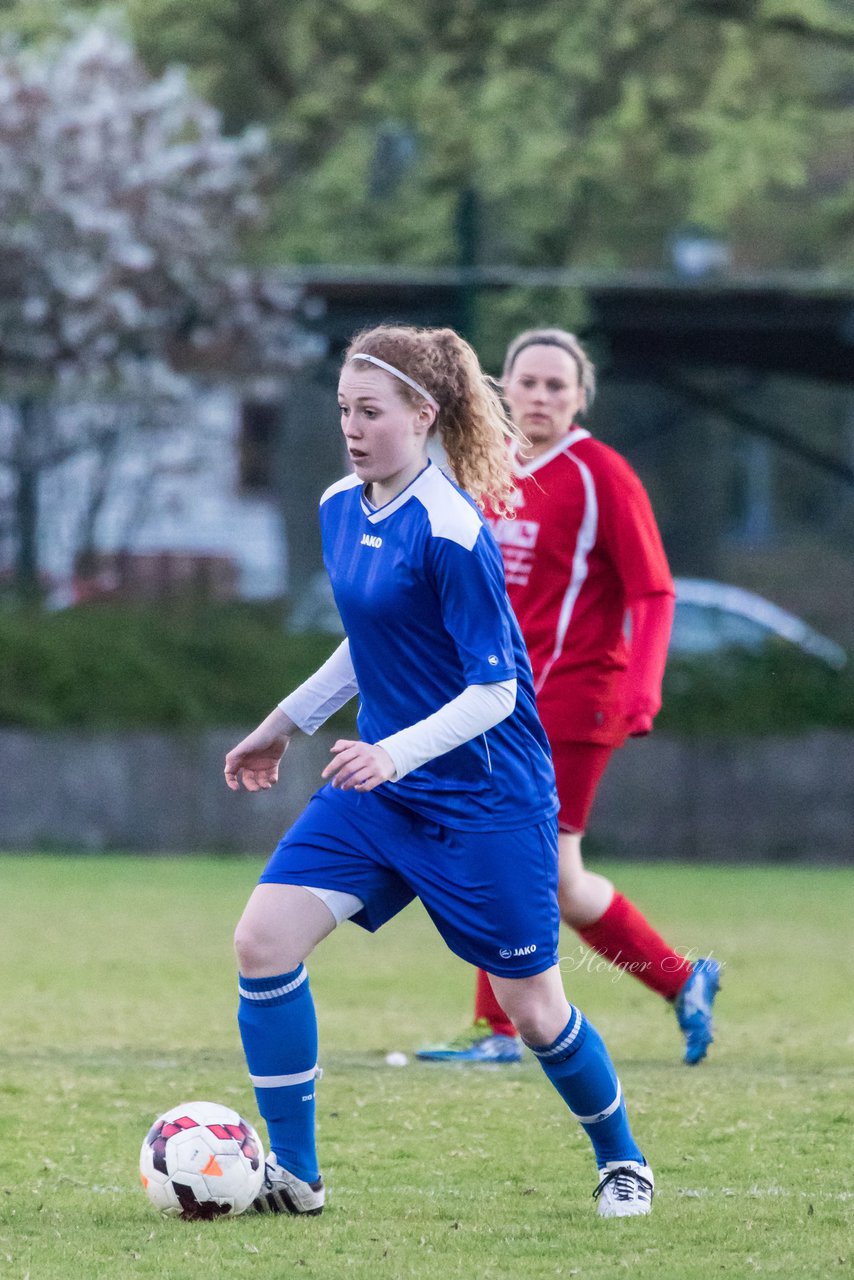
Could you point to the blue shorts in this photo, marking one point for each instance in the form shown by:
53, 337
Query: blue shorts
491, 894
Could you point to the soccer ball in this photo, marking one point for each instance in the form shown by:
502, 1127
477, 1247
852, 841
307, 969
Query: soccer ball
200, 1161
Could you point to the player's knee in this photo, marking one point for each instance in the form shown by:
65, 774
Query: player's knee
261, 954
538, 1025
538, 1008
246, 947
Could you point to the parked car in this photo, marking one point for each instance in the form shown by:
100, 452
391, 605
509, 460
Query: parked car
712, 617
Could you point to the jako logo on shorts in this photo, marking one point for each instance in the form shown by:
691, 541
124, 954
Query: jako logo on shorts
507, 954
371, 540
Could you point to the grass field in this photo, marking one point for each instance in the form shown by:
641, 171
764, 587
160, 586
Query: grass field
119, 1003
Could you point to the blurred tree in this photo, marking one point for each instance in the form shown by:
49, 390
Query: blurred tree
121, 203
589, 134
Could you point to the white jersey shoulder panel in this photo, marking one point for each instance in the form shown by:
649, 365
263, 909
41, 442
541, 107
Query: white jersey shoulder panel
450, 515
340, 486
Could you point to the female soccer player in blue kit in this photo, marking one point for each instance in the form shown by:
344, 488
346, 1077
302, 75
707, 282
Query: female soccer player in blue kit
449, 794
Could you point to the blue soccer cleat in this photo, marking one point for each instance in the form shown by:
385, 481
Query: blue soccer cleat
478, 1043
694, 1009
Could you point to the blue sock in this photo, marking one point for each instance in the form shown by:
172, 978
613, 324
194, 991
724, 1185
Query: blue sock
278, 1028
580, 1068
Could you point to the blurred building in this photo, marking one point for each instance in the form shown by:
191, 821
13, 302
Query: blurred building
163, 503
733, 398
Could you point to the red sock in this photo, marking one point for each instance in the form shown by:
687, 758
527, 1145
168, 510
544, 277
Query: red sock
486, 1006
629, 941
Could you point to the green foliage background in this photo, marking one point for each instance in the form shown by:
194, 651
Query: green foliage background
105, 667
131, 668
590, 132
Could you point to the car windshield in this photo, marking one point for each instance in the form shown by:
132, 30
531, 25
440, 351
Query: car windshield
715, 616
700, 629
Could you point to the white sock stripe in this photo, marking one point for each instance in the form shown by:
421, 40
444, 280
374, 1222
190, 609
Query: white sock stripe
282, 1082
276, 991
602, 1115
556, 1050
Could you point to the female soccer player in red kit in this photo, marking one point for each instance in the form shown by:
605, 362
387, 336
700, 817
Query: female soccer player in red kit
584, 549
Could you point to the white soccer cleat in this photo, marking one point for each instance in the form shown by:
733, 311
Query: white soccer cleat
625, 1189
283, 1192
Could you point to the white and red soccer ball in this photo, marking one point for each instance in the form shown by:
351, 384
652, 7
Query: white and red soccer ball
201, 1160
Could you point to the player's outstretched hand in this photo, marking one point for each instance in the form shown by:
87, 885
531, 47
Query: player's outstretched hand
358, 766
254, 762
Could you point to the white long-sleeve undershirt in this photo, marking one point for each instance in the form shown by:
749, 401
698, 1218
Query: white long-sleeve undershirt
478, 708
321, 695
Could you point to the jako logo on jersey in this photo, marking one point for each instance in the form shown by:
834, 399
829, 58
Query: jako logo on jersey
371, 540
507, 954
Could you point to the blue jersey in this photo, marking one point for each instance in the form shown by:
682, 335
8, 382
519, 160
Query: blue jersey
419, 584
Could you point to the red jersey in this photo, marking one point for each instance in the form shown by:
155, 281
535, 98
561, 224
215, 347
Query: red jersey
583, 545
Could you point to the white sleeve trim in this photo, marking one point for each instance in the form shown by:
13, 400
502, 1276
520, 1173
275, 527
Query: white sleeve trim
322, 694
479, 707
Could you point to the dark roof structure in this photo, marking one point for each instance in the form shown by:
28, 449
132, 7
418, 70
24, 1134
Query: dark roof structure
787, 324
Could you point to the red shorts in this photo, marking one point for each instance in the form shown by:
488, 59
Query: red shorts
578, 769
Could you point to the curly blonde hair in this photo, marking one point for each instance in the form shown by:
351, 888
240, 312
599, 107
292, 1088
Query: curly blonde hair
472, 423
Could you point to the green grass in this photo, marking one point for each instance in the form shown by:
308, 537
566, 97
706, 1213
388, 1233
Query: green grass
119, 1003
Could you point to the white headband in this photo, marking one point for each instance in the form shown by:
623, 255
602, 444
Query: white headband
404, 377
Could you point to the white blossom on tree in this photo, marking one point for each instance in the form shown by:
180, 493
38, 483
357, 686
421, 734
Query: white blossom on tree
121, 210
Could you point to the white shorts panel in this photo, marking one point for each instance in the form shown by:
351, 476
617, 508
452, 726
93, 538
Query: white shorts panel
342, 905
